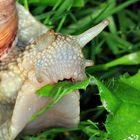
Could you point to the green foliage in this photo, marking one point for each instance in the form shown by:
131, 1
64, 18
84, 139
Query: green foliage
88, 127
77, 3
121, 98
129, 59
110, 104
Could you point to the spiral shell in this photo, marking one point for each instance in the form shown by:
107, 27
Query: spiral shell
8, 25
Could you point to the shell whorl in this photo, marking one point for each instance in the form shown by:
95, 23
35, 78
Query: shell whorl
8, 25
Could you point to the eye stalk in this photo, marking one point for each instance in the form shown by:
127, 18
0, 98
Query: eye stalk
88, 35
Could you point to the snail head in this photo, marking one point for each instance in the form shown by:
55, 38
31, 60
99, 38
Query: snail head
55, 57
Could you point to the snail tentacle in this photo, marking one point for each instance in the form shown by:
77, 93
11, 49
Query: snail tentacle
88, 35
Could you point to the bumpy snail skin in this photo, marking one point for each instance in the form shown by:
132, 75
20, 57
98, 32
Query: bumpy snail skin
8, 26
49, 58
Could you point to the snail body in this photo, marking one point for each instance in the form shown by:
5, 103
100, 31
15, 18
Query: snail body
47, 58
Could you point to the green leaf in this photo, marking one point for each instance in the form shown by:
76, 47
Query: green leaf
77, 3
63, 8
127, 89
122, 99
130, 59
65, 87
125, 123
109, 101
51, 90
57, 92
91, 129
26, 4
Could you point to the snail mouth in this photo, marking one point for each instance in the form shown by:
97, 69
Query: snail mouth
63, 72
66, 80
70, 79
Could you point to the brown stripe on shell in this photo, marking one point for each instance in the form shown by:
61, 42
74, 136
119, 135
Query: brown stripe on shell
8, 25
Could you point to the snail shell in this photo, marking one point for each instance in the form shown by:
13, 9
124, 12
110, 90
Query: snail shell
8, 26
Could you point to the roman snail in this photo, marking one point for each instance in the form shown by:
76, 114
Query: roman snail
32, 56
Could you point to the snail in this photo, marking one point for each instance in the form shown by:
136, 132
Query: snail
35, 57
